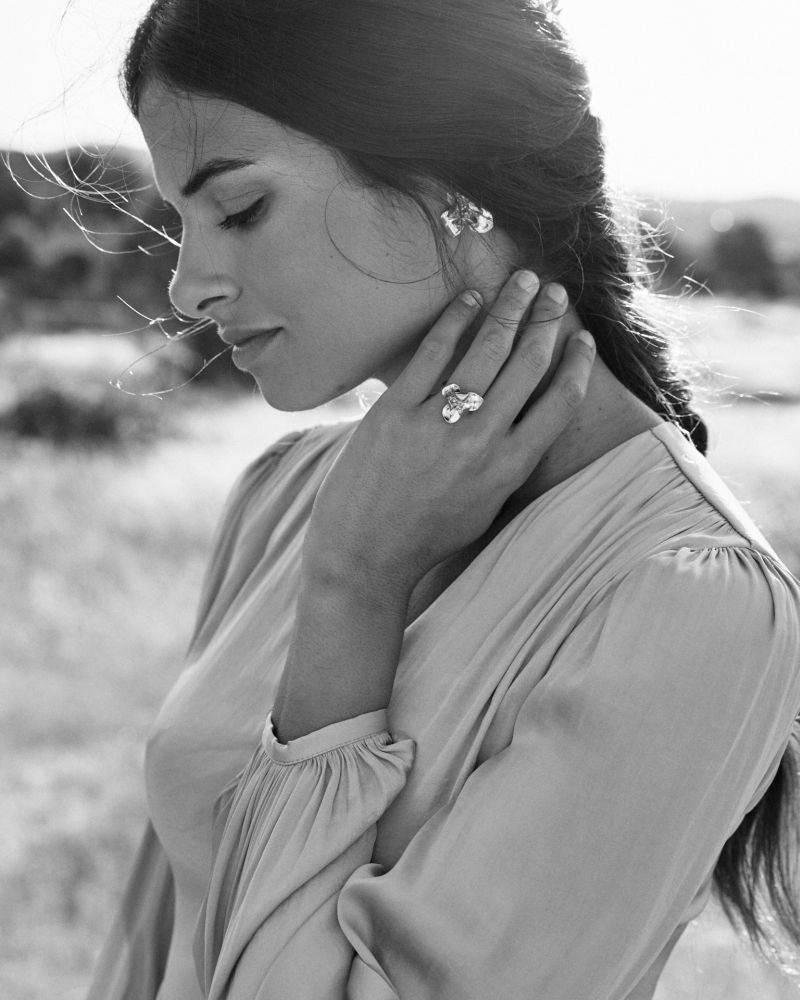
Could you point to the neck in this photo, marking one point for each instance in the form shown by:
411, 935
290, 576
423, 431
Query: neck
609, 415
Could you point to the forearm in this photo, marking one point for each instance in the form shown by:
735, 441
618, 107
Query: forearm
342, 659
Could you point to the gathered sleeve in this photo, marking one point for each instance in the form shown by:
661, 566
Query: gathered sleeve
300, 819
568, 859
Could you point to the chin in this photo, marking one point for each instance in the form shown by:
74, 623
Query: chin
291, 398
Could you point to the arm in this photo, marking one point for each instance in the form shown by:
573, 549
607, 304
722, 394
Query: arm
409, 490
343, 655
405, 493
568, 859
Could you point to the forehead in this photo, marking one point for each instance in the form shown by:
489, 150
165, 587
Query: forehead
183, 131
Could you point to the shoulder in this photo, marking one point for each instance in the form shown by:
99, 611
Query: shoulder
695, 649
306, 443
708, 594
701, 633
728, 577
703, 478
279, 484
294, 456
720, 574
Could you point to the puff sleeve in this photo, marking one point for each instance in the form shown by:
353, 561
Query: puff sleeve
569, 858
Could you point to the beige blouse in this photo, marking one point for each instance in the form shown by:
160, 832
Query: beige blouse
578, 723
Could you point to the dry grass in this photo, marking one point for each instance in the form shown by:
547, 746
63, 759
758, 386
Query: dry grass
103, 554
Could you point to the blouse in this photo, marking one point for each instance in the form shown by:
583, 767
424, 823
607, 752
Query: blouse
578, 723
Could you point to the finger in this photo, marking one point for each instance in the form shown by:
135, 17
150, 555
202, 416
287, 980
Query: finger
557, 405
422, 376
494, 341
532, 356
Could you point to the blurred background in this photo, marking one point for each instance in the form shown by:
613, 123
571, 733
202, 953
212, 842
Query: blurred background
112, 482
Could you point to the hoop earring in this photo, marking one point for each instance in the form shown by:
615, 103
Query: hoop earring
460, 212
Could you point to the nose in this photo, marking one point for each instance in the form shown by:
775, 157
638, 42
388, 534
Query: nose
201, 287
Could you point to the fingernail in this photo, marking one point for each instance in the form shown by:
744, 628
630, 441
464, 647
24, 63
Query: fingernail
527, 280
585, 337
557, 294
472, 298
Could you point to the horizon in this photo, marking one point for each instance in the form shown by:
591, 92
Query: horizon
695, 100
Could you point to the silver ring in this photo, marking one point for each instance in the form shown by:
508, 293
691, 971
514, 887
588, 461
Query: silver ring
458, 401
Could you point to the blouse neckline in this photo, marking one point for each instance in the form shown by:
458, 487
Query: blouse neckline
667, 433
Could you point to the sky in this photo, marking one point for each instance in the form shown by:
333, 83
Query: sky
699, 98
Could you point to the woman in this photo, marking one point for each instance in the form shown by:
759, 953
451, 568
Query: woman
532, 671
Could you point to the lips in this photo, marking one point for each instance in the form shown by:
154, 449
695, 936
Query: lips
238, 338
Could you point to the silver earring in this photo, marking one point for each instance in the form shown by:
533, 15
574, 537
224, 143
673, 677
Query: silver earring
462, 212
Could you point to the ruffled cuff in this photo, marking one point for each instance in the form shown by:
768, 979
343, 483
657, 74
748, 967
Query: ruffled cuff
338, 734
299, 821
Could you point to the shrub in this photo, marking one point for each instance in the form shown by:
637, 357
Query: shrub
742, 262
88, 416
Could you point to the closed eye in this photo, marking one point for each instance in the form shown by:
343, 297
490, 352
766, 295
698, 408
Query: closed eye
246, 218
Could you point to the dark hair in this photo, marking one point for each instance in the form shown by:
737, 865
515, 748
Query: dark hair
383, 83
486, 98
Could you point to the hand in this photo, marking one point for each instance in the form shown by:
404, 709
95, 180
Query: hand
409, 490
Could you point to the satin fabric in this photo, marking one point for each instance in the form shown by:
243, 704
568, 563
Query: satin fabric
578, 723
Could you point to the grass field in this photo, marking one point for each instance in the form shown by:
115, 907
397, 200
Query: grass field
103, 554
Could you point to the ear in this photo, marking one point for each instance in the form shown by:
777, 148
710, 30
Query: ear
482, 261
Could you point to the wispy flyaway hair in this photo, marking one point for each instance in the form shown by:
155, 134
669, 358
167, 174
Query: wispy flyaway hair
486, 98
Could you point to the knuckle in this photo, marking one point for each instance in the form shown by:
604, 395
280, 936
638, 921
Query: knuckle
495, 344
506, 324
535, 357
434, 349
464, 448
487, 433
572, 392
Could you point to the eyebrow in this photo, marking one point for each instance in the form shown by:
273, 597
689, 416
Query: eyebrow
213, 168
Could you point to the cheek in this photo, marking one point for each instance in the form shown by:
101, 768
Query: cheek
359, 289
388, 243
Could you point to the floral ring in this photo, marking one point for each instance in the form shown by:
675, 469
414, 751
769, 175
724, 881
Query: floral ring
458, 401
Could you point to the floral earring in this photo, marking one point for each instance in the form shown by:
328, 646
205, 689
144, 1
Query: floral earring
460, 212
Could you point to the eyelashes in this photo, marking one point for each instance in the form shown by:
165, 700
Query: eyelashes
246, 218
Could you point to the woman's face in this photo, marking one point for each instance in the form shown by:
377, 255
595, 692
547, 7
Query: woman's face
327, 282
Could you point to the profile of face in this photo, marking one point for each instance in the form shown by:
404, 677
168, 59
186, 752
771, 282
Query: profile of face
321, 281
